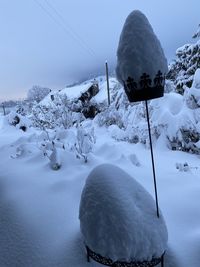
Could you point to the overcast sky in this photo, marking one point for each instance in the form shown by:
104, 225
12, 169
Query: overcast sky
55, 42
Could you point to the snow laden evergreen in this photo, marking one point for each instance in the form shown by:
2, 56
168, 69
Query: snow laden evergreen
186, 63
139, 50
118, 217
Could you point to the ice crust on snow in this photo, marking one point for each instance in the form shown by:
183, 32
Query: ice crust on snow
139, 50
118, 217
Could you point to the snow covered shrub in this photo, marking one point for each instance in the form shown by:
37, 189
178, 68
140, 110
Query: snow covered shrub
19, 121
85, 141
114, 114
173, 119
57, 113
13, 118
111, 116
44, 117
52, 148
55, 159
62, 108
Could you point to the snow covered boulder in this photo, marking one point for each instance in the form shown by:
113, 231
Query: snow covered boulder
141, 63
118, 219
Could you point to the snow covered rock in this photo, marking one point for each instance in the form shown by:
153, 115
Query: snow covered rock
139, 52
118, 217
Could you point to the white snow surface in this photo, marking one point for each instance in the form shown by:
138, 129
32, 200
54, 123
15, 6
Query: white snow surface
39, 207
139, 50
118, 217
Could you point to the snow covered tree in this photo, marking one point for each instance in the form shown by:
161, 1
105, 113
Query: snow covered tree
37, 93
184, 66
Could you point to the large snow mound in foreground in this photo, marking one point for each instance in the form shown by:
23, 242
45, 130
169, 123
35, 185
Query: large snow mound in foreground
118, 217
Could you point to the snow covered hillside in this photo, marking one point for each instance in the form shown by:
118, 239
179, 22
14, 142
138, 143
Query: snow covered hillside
47, 150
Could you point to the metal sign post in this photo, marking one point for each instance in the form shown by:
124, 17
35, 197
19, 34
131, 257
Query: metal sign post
145, 90
107, 79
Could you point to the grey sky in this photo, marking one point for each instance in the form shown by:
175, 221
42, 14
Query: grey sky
55, 49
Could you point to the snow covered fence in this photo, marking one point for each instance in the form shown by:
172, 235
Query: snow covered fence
118, 220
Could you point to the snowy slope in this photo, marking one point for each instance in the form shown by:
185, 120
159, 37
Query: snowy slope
75, 92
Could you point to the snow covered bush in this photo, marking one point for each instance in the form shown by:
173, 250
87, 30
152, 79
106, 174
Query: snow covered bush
114, 114
52, 147
85, 140
19, 121
44, 117
58, 112
111, 116
171, 118
37, 93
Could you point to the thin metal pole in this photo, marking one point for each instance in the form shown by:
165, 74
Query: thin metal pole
108, 87
162, 261
152, 159
4, 110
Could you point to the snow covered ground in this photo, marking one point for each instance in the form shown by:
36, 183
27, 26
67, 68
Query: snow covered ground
39, 207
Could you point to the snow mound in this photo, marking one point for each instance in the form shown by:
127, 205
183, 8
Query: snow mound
139, 50
118, 217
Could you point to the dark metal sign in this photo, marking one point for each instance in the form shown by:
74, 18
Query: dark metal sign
146, 88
